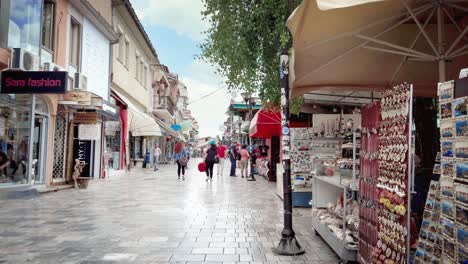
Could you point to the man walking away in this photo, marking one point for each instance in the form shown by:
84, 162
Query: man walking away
156, 155
233, 158
222, 157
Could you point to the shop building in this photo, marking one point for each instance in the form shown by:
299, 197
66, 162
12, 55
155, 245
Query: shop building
83, 111
134, 64
28, 120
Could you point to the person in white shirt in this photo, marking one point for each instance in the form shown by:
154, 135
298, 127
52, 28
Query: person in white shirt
156, 155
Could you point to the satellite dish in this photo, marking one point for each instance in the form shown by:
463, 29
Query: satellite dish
234, 94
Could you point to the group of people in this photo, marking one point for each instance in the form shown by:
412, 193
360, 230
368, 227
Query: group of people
215, 154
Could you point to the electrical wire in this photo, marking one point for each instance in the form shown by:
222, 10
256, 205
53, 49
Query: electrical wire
206, 95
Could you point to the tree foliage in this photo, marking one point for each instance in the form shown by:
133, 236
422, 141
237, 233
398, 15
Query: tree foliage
244, 40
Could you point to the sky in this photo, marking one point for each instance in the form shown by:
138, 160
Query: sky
175, 28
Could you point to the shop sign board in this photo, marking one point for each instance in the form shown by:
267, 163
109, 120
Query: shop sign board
82, 152
79, 98
33, 82
85, 117
109, 110
89, 132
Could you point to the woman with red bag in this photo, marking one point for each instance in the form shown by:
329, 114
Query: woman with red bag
210, 159
181, 157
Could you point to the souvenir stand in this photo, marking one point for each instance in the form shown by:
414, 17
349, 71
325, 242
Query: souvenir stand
301, 156
386, 180
444, 230
335, 170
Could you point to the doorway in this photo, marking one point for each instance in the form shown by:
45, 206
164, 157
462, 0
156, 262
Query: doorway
38, 171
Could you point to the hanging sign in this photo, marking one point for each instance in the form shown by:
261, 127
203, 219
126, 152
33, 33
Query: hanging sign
33, 82
89, 132
85, 117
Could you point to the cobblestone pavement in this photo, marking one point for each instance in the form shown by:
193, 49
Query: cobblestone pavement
147, 217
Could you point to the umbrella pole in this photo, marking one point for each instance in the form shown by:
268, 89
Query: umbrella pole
440, 44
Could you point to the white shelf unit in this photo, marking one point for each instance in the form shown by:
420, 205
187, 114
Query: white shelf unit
326, 189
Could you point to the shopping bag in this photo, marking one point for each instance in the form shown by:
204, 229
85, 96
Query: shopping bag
202, 167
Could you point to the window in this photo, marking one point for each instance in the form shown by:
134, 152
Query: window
24, 19
141, 71
48, 14
121, 54
145, 75
75, 43
137, 66
127, 52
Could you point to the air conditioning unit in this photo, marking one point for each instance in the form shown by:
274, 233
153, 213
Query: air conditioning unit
25, 60
49, 66
80, 82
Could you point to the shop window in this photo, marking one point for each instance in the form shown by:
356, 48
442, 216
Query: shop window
75, 43
15, 128
24, 29
41, 105
48, 20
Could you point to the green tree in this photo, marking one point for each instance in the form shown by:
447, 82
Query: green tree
244, 41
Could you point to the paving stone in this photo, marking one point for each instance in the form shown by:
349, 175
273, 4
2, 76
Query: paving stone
144, 217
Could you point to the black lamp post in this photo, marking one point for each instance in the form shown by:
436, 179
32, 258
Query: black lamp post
250, 102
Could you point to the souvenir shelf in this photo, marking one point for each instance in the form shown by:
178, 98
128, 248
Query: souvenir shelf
336, 211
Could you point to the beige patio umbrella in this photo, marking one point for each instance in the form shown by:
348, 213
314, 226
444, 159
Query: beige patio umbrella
369, 45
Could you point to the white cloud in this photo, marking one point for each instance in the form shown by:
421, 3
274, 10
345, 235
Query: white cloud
210, 112
182, 16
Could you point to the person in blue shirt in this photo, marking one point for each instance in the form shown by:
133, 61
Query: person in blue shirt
233, 155
181, 158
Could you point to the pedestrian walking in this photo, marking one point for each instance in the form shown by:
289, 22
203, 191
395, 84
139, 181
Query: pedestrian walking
210, 159
156, 155
222, 158
181, 158
244, 162
233, 158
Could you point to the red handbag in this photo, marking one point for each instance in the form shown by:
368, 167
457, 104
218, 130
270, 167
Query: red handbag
202, 166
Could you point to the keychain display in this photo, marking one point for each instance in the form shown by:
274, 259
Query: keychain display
393, 181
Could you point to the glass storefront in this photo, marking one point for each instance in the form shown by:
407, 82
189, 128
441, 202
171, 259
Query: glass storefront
15, 131
113, 139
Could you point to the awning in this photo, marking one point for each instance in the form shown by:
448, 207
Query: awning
265, 124
140, 124
364, 45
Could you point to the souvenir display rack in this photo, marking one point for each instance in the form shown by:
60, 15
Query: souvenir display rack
368, 192
336, 210
444, 231
386, 178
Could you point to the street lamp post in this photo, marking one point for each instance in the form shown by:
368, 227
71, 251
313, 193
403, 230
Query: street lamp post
250, 102
288, 244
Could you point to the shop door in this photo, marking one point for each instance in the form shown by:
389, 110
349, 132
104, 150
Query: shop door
38, 171
275, 157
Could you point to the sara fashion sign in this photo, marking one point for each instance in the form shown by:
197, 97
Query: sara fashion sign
33, 82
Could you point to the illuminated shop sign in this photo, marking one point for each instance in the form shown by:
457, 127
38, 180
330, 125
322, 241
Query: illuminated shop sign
33, 82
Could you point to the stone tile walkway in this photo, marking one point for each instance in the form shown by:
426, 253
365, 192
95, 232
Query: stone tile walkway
147, 217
